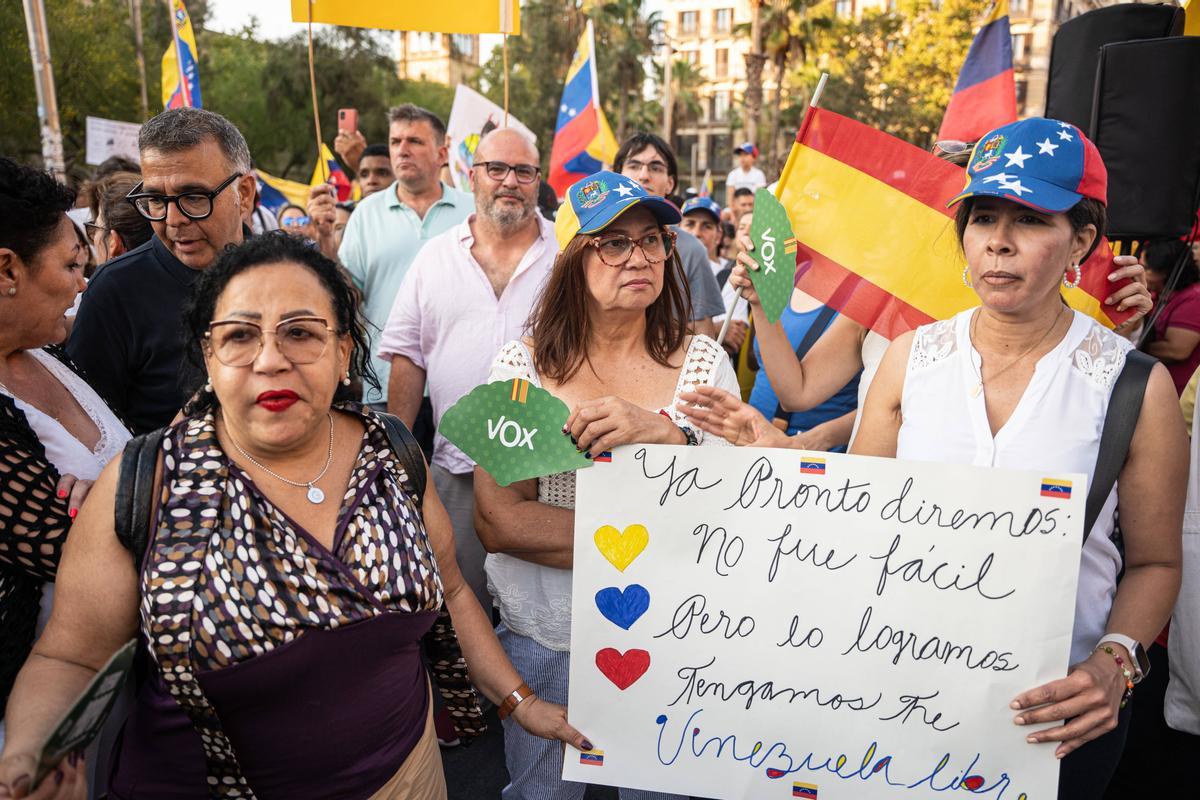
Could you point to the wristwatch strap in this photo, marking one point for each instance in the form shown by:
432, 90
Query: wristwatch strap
513, 699
1141, 662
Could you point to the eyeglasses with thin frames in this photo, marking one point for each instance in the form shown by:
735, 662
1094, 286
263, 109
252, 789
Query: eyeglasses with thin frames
193, 205
238, 343
498, 171
655, 167
616, 250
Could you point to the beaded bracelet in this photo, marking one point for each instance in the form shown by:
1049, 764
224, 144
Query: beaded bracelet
1125, 672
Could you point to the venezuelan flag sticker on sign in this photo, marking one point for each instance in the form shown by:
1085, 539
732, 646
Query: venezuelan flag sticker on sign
591, 758
805, 790
1056, 488
812, 466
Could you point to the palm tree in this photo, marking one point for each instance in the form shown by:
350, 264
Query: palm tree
788, 32
627, 33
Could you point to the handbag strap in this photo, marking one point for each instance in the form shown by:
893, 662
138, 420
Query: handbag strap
813, 333
135, 484
406, 448
1120, 421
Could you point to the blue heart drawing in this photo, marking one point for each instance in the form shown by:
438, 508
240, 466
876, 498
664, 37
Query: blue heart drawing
623, 608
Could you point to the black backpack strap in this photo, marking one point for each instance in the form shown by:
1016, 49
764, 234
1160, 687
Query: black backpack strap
1120, 421
406, 448
810, 338
135, 484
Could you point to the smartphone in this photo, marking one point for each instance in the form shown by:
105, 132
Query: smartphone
348, 120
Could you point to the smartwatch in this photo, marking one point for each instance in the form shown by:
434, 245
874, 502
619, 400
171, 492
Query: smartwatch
1141, 661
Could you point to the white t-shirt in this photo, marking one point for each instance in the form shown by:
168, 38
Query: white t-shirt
535, 601
752, 179
1055, 427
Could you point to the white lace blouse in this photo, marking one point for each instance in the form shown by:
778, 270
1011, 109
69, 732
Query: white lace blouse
1055, 427
534, 600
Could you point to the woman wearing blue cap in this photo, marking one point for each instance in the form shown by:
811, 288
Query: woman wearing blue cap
609, 338
1022, 381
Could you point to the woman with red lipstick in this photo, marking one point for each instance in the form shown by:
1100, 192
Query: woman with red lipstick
290, 572
1024, 382
609, 338
56, 434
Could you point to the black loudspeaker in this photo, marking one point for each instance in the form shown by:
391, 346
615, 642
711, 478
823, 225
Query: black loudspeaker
1146, 124
1075, 52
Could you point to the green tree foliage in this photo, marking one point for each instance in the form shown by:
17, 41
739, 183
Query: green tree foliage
262, 86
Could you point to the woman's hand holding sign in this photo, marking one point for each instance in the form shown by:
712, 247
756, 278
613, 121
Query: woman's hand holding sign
596, 426
1089, 699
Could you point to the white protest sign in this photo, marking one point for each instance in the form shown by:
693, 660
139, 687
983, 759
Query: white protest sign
108, 137
769, 624
471, 116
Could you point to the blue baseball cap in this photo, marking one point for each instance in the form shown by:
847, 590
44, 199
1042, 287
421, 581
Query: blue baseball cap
593, 203
1041, 163
702, 204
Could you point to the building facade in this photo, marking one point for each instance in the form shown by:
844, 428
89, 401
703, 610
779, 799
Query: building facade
447, 58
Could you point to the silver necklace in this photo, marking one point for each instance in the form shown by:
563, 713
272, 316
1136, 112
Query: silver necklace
314, 494
979, 370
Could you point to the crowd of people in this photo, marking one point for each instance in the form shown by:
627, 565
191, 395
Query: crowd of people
215, 424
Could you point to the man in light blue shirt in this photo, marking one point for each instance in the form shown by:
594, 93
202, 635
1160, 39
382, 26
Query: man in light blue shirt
387, 229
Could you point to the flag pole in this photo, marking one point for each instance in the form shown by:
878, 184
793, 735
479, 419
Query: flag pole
185, 94
312, 80
812, 103
506, 28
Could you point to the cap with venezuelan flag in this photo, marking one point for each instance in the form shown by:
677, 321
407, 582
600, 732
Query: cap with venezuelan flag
1037, 162
593, 203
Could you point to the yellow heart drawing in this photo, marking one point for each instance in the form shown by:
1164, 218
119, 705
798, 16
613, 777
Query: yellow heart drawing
622, 547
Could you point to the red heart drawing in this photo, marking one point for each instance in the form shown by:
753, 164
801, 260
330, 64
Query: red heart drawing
623, 670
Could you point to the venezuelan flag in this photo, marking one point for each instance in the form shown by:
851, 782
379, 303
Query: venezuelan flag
875, 238
1058, 489
592, 758
808, 791
985, 96
275, 193
812, 466
328, 170
175, 94
604, 458
583, 142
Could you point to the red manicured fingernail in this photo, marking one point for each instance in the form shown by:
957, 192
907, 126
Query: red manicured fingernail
74, 512
61, 494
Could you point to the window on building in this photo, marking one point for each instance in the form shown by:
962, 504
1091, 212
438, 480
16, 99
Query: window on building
689, 21
722, 63
1021, 44
723, 20
720, 106
462, 45
1018, 8
692, 57
1022, 87
843, 8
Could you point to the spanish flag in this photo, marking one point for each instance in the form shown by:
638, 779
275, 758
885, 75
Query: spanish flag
461, 16
176, 93
876, 240
985, 95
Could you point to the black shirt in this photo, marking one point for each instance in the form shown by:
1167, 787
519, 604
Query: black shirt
128, 334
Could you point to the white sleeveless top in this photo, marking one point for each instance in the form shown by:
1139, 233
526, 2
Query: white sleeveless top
535, 600
874, 347
1054, 428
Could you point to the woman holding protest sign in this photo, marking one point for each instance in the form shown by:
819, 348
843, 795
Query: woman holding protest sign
1022, 381
609, 338
284, 574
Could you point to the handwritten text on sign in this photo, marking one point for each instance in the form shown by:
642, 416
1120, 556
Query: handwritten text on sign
769, 624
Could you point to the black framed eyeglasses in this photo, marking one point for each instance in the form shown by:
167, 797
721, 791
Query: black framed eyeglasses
92, 229
616, 250
193, 205
498, 171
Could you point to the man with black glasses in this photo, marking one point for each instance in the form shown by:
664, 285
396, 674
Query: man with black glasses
469, 293
197, 190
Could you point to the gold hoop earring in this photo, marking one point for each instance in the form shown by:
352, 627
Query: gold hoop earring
966, 277
1071, 284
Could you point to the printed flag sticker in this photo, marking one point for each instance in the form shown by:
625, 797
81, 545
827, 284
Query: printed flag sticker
513, 430
1058, 489
591, 758
812, 466
805, 790
775, 252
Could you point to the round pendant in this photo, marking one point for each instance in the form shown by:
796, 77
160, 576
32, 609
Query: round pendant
315, 495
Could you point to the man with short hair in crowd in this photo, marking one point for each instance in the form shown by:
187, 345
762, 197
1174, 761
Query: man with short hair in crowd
649, 160
743, 203
745, 175
469, 293
197, 191
374, 170
702, 219
389, 227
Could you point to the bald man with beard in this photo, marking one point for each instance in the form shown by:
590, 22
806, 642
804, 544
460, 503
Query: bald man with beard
469, 292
